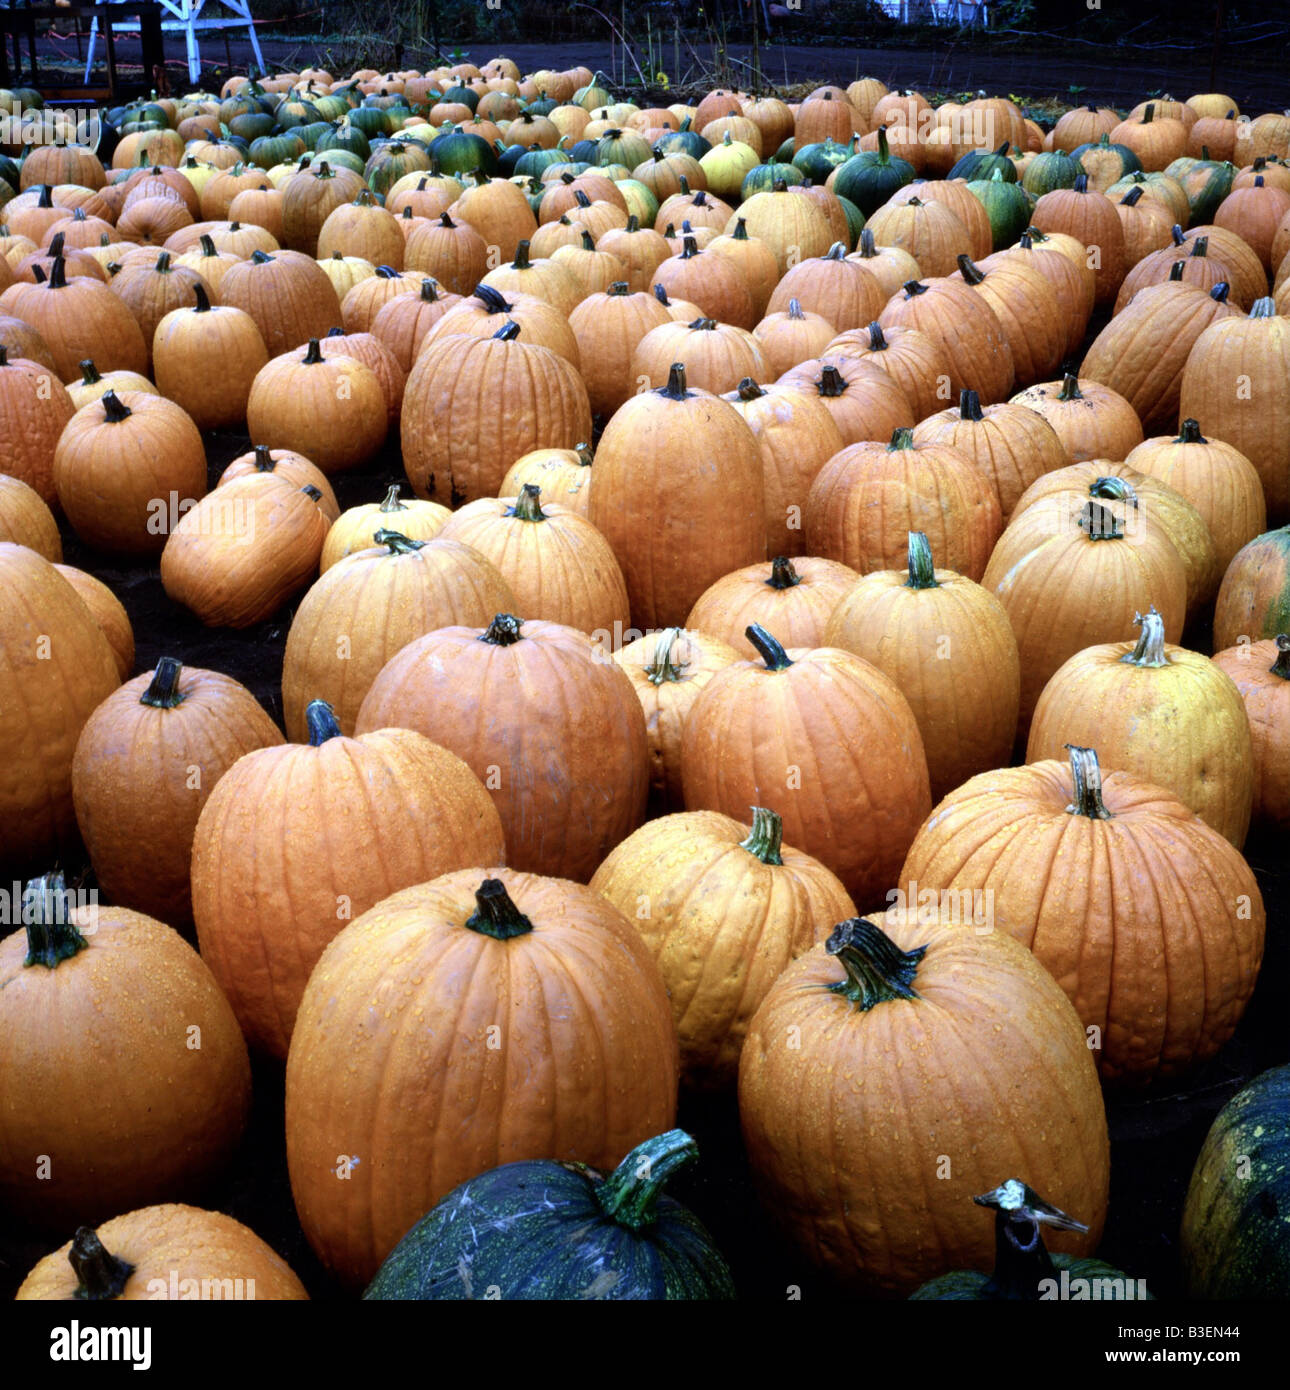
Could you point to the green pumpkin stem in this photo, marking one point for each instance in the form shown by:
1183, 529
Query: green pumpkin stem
89, 372
114, 408
675, 390
766, 837
163, 690
1281, 666
528, 505
629, 1194
770, 651
51, 936
877, 970
1190, 433
1070, 389
321, 719
901, 438
782, 573
1150, 650
495, 914
313, 354
1021, 1259
392, 502
661, 667
398, 543
503, 631
922, 572
1086, 774
101, 1275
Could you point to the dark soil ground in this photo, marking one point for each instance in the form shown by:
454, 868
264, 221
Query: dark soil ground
1103, 75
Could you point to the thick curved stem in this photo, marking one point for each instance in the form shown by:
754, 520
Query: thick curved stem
766, 838
101, 1275
1150, 650
922, 572
321, 719
629, 1195
877, 970
52, 937
495, 914
1086, 774
163, 690
770, 651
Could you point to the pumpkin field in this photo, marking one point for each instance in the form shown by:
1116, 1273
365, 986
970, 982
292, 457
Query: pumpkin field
606, 700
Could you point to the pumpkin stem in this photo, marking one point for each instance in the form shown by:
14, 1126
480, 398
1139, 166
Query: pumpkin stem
1281, 666
321, 719
89, 372
1150, 650
775, 657
163, 690
57, 274
921, 570
495, 914
1114, 489
398, 543
913, 287
521, 261
503, 631
429, 291
52, 937
528, 505
101, 1274
691, 245
1220, 292
901, 438
675, 390
877, 970
831, 383
114, 408
972, 273
970, 406
782, 573
493, 300
766, 836
628, 1195
795, 309
508, 332
1021, 1259
1190, 433
748, 390
1086, 774
313, 354
1264, 308
1070, 389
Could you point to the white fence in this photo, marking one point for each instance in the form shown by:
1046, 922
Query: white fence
937, 11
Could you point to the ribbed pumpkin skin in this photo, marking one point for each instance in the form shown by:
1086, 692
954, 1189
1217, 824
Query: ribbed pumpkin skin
1142, 352
1256, 420
848, 1171
1266, 694
917, 364
1218, 480
951, 652
680, 497
668, 669
1181, 726
473, 406
835, 733
721, 923
356, 528
969, 1285
108, 612
608, 328
1099, 424
796, 613
288, 466
584, 1066
1011, 445
34, 410
559, 567
1254, 597
551, 728
1090, 218
956, 318
137, 800
561, 1247
867, 499
1150, 921
47, 701
112, 475
289, 296
295, 841
244, 549
1063, 591
176, 1241
1233, 1244
865, 402
79, 319
100, 1075
367, 608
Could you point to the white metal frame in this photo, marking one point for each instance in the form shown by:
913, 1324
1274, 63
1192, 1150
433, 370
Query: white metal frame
189, 19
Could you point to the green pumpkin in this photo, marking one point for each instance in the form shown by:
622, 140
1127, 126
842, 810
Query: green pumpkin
1254, 598
1048, 171
459, 153
1007, 205
311, 133
269, 150
462, 96
816, 162
331, 107
1024, 1270
371, 120
855, 220
624, 147
640, 200
251, 125
546, 1230
345, 137
1236, 1219
980, 164
535, 159
390, 160
1206, 182
869, 178
1126, 162
543, 106
686, 141
761, 178
293, 113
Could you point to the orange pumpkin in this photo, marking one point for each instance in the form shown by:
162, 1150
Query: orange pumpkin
34, 410
792, 598
1092, 420
557, 964
1261, 672
411, 811
206, 359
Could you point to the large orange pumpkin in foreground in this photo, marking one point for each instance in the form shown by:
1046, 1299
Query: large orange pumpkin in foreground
895, 1071
519, 1017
